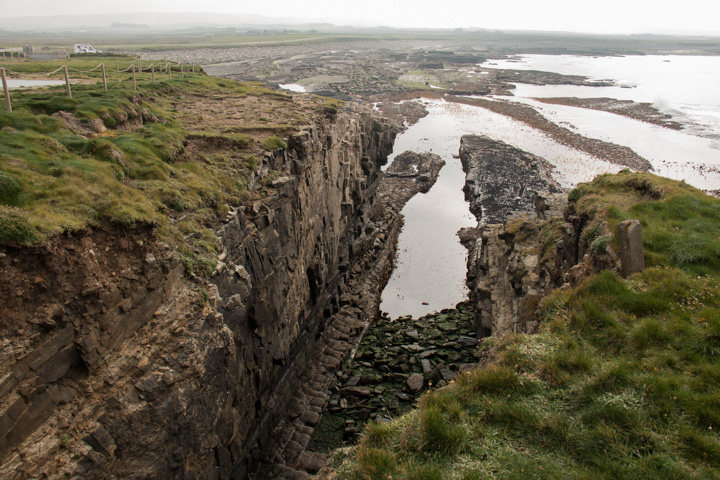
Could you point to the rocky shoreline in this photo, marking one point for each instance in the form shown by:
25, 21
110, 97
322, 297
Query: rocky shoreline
613, 153
644, 112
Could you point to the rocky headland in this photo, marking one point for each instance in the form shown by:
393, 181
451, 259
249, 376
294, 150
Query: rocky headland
509, 269
119, 361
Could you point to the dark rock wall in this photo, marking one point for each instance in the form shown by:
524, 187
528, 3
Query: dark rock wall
287, 259
514, 200
528, 240
121, 367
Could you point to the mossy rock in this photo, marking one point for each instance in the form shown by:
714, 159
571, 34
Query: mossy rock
10, 190
274, 143
15, 228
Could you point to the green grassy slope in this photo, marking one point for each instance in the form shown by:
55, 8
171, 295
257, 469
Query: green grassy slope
56, 179
622, 382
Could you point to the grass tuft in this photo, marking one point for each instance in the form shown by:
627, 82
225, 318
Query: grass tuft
274, 143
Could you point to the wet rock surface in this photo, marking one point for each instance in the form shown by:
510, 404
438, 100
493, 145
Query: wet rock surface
396, 361
501, 179
613, 153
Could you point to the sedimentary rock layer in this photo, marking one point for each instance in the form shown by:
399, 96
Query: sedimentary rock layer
287, 454
128, 369
514, 199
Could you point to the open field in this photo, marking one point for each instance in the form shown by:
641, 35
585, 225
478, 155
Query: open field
497, 42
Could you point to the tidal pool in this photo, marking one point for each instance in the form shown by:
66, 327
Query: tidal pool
431, 263
293, 87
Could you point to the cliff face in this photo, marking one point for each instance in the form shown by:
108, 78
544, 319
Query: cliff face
116, 365
289, 262
517, 205
529, 240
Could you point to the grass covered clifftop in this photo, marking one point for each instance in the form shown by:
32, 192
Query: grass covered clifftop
174, 154
622, 381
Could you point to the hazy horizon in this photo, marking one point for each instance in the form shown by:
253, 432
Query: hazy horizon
696, 17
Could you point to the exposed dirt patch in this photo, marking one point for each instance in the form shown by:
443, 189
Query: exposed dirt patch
260, 116
71, 266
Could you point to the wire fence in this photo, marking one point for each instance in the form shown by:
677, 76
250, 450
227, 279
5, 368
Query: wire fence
134, 68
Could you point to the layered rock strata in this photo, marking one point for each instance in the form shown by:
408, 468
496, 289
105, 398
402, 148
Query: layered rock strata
529, 239
116, 365
289, 455
516, 202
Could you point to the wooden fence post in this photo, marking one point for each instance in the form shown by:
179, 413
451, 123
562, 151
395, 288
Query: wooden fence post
104, 77
117, 64
193, 66
11, 56
169, 71
5, 89
182, 70
153, 72
67, 82
134, 82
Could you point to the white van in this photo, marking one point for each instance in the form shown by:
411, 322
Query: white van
84, 48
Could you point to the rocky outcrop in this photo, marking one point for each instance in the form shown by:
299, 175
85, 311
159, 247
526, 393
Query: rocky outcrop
516, 202
116, 365
632, 255
501, 179
423, 167
529, 239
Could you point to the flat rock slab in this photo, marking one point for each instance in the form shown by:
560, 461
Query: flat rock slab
500, 178
416, 382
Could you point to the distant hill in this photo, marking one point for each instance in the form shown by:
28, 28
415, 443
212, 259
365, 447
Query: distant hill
157, 20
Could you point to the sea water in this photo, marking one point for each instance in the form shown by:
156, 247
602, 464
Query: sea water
431, 263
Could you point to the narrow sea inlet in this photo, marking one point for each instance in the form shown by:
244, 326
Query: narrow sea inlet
430, 268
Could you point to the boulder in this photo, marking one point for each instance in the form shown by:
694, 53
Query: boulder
631, 247
416, 382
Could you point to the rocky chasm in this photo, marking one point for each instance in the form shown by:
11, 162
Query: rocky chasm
120, 366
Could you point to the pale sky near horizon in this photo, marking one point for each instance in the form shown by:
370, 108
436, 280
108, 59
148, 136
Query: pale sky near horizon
607, 16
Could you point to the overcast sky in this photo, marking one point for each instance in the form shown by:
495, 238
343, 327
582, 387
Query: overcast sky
604, 16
